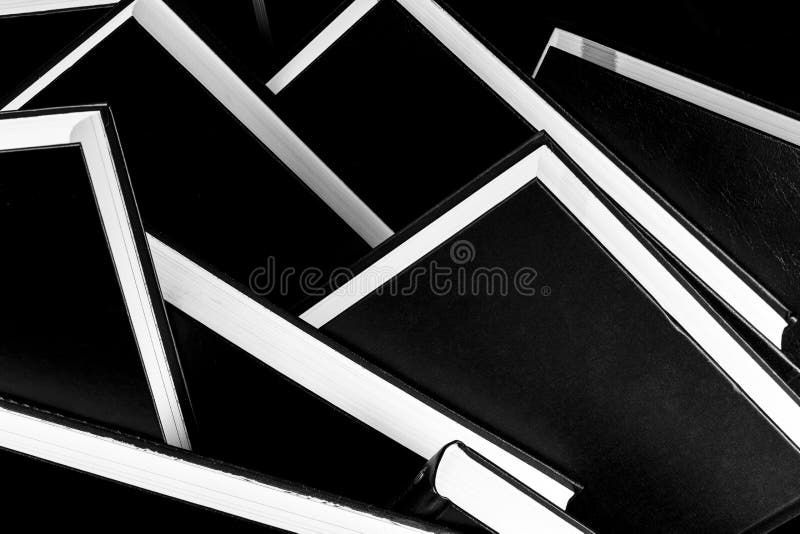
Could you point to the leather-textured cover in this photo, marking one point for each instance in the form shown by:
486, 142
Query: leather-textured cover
589, 375
67, 342
29, 40
249, 415
735, 185
399, 119
205, 185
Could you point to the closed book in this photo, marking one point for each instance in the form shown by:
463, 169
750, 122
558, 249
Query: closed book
542, 315
460, 488
724, 165
63, 473
84, 331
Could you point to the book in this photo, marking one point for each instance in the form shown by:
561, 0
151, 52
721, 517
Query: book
739, 193
727, 281
380, 386
84, 327
86, 478
461, 488
396, 115
251, 416
35, 31
724, 281
532, 307
237, 190
299, 352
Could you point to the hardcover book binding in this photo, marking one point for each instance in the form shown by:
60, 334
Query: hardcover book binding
726, 167
601, 367
90, 478
84, 327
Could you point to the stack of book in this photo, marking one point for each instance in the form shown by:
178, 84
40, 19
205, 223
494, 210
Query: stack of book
326, 268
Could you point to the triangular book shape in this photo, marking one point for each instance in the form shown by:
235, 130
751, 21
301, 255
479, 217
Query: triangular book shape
84, 328
62, 473
397, 116
725, 166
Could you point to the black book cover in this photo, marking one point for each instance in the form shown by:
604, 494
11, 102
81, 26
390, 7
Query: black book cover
29, 40
60, 472
205, 185
589, 375
736, 185
68, 339
745, 51
397, 117
249, 415
47, 497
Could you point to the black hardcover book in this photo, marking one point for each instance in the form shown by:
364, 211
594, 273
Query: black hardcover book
544, 316
217, 174
461, 489
84, 331
61, 473
733, 182
32, 34
249, 415
396, 115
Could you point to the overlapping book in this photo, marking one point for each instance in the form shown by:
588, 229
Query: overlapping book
381, 280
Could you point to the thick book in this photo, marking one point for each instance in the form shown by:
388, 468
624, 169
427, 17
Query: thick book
534, 308
61, 473
31, 32
84, 330
460, 488
630, 343
725, 165
217, 173
392, 112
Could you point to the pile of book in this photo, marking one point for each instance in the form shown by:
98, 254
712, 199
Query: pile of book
325, 268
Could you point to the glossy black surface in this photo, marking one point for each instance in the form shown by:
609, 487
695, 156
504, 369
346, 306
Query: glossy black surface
401, 121
203, 183
254, 417
66, 342
740, 187
47, 497
588, 375
27, 41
